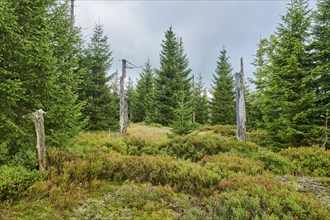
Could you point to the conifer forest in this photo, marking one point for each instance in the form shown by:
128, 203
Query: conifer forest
78, 141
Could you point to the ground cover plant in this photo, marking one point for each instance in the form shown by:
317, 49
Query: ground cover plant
106, 176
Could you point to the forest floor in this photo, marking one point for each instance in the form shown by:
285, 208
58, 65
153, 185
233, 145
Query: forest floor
151, 174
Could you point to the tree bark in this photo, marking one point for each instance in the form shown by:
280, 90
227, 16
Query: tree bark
240, 105
123, 117
38, 120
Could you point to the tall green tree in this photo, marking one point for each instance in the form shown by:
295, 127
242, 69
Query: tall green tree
255, 99
38, 58
129, 96
320, 70
288, 99
141, 102
223, 95
100, 101
65, 41
200, 102
172, 77
11, 89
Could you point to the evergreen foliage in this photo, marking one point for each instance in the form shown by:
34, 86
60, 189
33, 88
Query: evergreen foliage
223, 100
320, 71
254, 99
38, 57
66, 103
141, 101
129, 96
151, 110
182, 122
200, 102
101, 103
287, 106
172, 77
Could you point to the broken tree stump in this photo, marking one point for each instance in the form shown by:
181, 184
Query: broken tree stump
123, 113
38, 120
240, 105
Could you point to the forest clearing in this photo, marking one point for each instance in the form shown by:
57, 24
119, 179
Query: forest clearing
78, 141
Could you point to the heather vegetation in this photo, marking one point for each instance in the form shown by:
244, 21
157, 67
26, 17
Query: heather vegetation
202, 175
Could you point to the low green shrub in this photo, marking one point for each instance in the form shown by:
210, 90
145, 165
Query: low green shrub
262, 203
246, 197
139, 146
141, 201
263, 197
25, 158
224, 130
313, 161
195, 147
87, 142
56, 157
182, 175
243, 181
259, 137
228, 163
274, 162
15, 180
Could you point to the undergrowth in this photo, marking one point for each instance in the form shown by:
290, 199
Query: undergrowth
203, 175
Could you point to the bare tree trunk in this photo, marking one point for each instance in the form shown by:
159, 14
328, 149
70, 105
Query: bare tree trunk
194, 111
38, 120
72, 9
240, 105
123, 117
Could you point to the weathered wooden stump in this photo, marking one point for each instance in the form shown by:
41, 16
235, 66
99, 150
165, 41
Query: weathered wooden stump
38, 120
123, 111
240, 105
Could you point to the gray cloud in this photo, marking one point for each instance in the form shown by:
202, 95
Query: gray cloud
136, 29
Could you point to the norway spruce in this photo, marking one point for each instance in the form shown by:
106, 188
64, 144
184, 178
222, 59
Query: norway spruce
200, 102
129, 97
287, 106
171, 78
183, 112
141, 102
101, 103
38, 58
223, 95
320, 70
255, 99
65, 117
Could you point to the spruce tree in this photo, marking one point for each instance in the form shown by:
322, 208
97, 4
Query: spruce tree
182, 122
129, 96
200, 102
38, 51
141, 102
66, 104
255, 99
100, 101
172, 77
288, 99
151, 109
320, 62
223, 95
114, 90
11, 89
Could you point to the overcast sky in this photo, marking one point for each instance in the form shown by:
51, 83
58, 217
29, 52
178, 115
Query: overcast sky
136, 30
